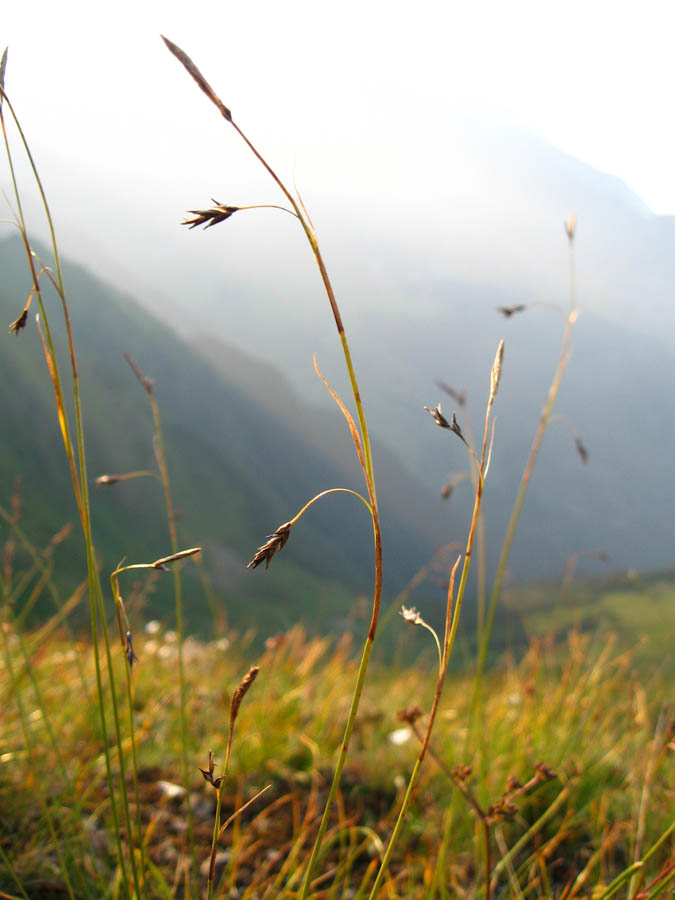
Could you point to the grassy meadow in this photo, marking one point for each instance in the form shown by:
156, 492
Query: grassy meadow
137, 761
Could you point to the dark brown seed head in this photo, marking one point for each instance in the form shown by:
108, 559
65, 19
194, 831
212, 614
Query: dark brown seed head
208, 773
438, 416
461, 772
241, 692
129, 650
146, 383
208, 217
182, 57
502, 810
508, 311
454, 426
545, 772
275, 542
581, 449
19, 323
512, 784
410, 715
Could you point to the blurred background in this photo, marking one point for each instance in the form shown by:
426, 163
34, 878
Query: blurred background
439, 152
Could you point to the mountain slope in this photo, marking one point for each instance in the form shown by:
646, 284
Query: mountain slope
237, 472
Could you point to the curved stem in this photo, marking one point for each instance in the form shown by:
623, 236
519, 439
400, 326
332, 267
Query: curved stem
324, 494
369, 473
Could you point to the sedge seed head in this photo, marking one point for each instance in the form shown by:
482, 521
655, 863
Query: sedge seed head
570, 227
241, 692
496, 373
20, 323
209, 217
203, 84
508, 311
266, 551
411, 616
3, 68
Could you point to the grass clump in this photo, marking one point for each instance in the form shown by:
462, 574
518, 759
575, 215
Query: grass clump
577, 823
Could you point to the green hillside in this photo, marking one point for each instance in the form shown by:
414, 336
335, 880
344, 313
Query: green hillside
237, 472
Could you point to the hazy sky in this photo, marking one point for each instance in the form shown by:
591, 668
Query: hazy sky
94, 82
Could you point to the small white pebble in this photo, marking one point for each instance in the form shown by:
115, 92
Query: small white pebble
171, 790
400, 736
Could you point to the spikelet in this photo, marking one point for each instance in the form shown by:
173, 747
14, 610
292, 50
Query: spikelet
182, 57
182, 554
237, 698
275, 542
570, 227
3, 67
496, 373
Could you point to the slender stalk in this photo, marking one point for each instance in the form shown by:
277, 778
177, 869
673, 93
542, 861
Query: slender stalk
365, 440
78, 472
473, 803
324, 494
180, 629
544, 419
10, 869
30, 746
529, 834
451, 615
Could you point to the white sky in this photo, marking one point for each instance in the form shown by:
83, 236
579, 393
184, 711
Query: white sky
594, 78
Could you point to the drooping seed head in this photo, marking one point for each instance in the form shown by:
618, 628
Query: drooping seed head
508, 311
129, 650
438, 416
275, 542
581, 449
209, 217
20, 323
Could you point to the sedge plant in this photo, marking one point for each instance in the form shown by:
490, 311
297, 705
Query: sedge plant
360, 435
130, 878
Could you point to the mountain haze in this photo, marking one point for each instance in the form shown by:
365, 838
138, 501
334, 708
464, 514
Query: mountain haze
237, 471
475, 222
